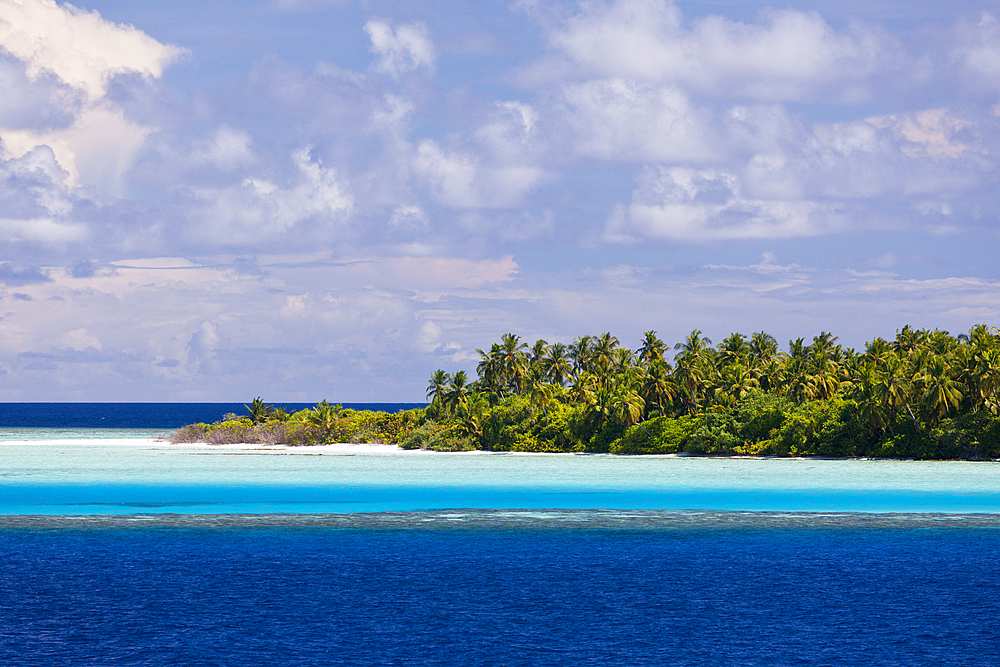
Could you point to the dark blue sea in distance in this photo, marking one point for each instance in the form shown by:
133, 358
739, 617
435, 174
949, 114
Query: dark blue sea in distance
143, 415
559, 597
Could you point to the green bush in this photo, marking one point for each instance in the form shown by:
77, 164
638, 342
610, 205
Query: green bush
714, 432
420, 436
661, 435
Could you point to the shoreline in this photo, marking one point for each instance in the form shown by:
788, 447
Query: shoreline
388, 449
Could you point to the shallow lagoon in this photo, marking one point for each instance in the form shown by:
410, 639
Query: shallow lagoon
144, 476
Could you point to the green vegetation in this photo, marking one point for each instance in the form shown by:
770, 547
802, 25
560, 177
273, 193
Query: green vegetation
924, 394
322, 424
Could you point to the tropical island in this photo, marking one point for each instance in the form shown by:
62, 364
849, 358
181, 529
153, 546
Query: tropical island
924, 395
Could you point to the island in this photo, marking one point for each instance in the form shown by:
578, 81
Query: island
924, 394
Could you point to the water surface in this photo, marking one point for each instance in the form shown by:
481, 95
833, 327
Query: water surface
117, 477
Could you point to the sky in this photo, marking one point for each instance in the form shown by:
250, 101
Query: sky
309, 199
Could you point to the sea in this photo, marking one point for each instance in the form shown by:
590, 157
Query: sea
119, 548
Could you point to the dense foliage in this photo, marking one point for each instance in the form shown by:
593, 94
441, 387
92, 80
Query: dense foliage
924, 394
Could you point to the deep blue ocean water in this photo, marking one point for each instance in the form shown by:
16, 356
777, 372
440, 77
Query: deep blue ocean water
574, 596
856, 571
143, 415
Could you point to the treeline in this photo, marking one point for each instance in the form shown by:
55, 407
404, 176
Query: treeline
322, 424
922, 394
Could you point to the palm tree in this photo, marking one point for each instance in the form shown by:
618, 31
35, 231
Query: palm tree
652, 349
626, 406
580, 353
259, 412
762, 348
489, 371
604, 348
456, 395
693, 345
988, 375
583, 388
877, 350
801, 387
825, 378
940, 393
689, 376
324, 417
623, 359
733, 348
658, 387
557, 364
690, 369
513, 363
542, 394
437, 389
894, 388
906, 341
538, 351
823, 346
873, 411
738, 381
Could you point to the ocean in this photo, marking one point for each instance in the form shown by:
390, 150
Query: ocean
125, 550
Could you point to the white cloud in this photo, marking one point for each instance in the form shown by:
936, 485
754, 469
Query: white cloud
931, 132
83, 52
409, 217
78, 46
79, 339
450, 175
624, 120
34, 205
83, 149
39, 103
790, 55
706, 204
405, 49
227, 149
260, 209
465, 180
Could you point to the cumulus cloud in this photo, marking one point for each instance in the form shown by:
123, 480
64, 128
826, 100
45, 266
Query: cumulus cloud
78, 46
226, 149
40, 102
707, 204
259, 209
34, 204
450, 175
464, 180
789, 55
615, 119
800, 180
405, 49
69, 57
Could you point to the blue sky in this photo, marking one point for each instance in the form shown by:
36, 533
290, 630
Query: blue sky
303, 199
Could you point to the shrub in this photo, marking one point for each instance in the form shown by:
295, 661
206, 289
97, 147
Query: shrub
187, 434
420, 436
661, 435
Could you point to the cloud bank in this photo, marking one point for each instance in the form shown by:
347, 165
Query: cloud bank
339, 198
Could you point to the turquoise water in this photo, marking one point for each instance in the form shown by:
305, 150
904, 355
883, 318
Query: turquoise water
114, 477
